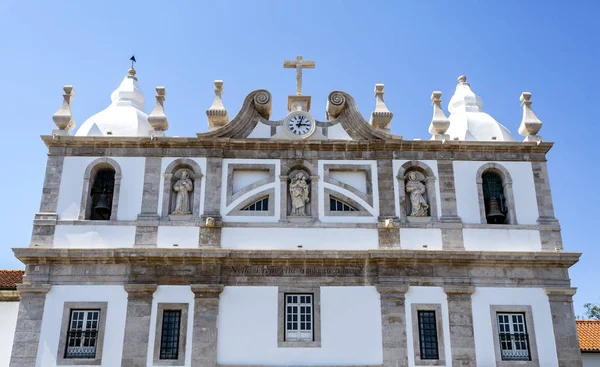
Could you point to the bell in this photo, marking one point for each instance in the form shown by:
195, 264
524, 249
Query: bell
102, 207
494, 215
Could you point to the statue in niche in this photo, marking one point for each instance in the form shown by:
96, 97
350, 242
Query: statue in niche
183, 187
416, 190
299, 194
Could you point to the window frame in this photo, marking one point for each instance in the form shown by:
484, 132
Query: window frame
526, 310
315, 292
68, 309
416, 333
183, 324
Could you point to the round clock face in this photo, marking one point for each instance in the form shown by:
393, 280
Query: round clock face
299, 124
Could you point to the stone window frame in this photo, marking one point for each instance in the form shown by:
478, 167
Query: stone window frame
429, 187
367, 168
64, 328
270, 193
231, 197
281, 293
360, 210
183, 323
168, 186
506, 188
90, 172
414, 311
533, 352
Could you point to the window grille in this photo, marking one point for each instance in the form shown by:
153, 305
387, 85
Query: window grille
258, 206
339, 206
169, 341
82, 336
428, 338
514, 340
299, 317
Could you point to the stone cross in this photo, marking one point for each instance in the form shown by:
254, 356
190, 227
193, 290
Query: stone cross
298, 64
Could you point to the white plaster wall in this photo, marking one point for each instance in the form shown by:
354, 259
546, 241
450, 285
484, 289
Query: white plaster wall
350, 329
71, 186
542, 320
357, 179
372, 209
427, 295
290, 238
8, 320
502, 239
414, 239
172, 294
590, 359
116, 310
397, 164
105, 236
165, 163
225, 209
184, 237
467, 201
337, 132
261, 131
243, 178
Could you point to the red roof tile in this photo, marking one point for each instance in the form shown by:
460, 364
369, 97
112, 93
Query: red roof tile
589, 335
10, 278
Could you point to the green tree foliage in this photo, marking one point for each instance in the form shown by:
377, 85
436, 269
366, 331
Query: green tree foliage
592, 311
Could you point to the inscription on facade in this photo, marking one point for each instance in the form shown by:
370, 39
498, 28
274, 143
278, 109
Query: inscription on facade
291, 271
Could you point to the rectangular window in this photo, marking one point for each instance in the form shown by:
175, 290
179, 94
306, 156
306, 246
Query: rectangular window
169, 341
513, 337
428, 338
299, 317
82, 334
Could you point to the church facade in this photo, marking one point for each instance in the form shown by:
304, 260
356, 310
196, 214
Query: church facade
266, 242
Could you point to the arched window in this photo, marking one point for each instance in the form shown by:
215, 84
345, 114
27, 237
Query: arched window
101, 186
493, 198
336, 205
261, 205
102, 194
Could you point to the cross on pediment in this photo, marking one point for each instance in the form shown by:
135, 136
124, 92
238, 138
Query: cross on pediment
298, 64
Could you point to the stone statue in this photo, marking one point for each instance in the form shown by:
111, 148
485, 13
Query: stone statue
182, 201
416, 190
299, 194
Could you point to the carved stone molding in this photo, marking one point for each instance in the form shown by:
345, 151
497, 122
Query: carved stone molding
207, 290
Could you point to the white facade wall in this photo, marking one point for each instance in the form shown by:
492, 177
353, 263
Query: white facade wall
164, 164
114, 333
94, 236
290, 238
358, 179
467, 201
397, 164
183, 237
172, 294
591, 359
8, 322
501, 239
71, 186
350, 329
420, 239
337, 132
542, 320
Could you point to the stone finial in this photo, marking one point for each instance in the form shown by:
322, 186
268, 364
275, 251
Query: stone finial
63, 118
381, 117
217, 114
530, 124
157, 118
439, 121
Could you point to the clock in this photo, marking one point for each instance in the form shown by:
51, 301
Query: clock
299, 125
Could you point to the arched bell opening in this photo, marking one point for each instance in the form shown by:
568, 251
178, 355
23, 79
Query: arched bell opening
494, 200
101, 194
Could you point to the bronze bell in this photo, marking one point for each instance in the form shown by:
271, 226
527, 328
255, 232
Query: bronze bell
102, 207
494, 215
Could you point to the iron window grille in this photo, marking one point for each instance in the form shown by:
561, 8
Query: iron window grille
82, 336
339, 206
428, 338
258, 206
169, 341
513, 337
299, 317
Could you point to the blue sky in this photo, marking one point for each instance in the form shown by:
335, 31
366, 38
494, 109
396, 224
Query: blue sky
548, 48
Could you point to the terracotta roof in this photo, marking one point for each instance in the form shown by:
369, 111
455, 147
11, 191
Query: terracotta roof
10, 278
589, 335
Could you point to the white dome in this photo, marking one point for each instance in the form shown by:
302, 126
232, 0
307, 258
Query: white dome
467, 119
124, 117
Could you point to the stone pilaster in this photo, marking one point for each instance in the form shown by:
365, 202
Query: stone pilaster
147, 230
460, 314
565, 331
204, 335
450, 223
137, 324
549, 226
29, 324
210, 236
393, 324
389, 236
44, 223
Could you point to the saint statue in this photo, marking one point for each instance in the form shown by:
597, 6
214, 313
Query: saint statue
416, 190
299, 194
182, 201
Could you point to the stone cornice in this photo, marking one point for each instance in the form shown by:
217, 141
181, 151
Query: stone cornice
222, 147
156, 256
9, 296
